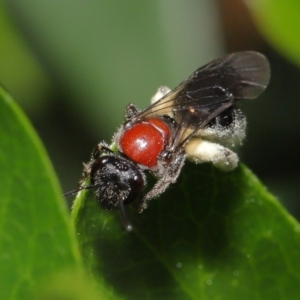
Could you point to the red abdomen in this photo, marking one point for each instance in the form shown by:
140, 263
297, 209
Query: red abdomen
144, 141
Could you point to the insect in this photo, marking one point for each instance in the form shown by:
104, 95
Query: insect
198, 119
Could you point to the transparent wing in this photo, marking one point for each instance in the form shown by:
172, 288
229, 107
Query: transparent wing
210, 90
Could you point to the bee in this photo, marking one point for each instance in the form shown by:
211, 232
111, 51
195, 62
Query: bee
198, 120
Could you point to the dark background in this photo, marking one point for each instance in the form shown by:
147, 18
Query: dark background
73, 67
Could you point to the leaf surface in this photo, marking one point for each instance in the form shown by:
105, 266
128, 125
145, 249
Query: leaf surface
36, 235
279, 22
212, 235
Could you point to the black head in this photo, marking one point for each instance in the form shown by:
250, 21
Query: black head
117, 181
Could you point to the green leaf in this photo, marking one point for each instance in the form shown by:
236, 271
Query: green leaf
212, 235
73, 285
279, 21
36, 235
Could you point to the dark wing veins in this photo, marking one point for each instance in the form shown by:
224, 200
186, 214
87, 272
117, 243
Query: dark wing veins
210, 90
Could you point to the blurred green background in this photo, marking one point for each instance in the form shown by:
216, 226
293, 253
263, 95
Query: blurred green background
74, 65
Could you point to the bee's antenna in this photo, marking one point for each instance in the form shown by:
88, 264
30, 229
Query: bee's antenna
73, 192
123, 215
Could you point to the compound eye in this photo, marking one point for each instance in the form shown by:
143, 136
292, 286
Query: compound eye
95, 153
137, 184
116, 179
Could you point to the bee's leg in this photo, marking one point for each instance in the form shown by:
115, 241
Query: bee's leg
99, 149
131, 111
104, 147
170, 175
200, 151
